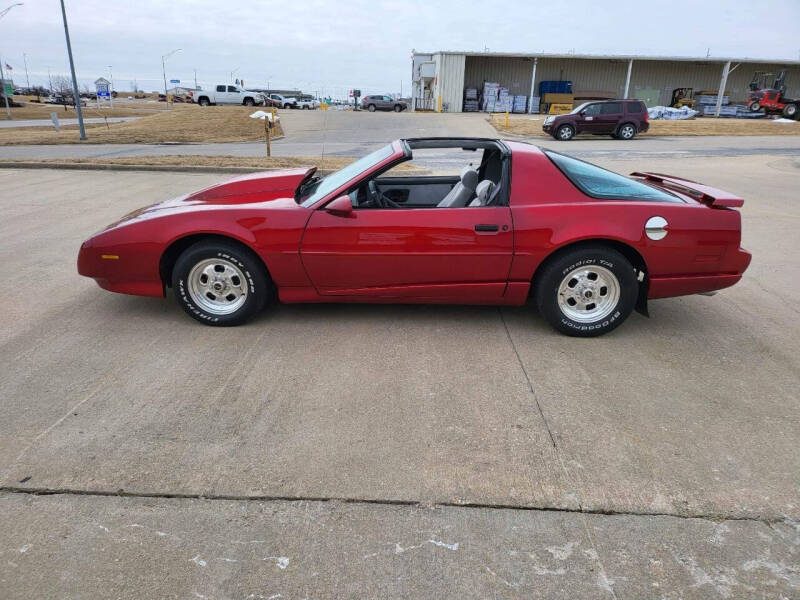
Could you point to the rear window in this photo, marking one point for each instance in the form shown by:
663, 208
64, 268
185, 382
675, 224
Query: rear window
634, 107
597, 182
611, 108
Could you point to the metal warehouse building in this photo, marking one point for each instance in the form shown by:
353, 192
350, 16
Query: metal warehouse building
440, 78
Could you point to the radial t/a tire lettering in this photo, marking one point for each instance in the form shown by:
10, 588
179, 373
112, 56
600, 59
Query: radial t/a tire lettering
220, 283
587, 291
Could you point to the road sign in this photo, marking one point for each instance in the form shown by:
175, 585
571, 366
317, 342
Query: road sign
174, 80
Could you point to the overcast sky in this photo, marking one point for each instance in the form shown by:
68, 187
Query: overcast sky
336, 45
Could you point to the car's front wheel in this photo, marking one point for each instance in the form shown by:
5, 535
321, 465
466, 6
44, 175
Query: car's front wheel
371, 108
587, 291
565, 133
220, 283
249, 102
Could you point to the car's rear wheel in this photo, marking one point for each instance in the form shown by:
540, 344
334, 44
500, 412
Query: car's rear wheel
397, 108
587, 291
565, 133
371, 108
203, 102
220, 283
627, 131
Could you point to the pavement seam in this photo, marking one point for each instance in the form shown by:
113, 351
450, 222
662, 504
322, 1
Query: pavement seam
607, 584
713, 517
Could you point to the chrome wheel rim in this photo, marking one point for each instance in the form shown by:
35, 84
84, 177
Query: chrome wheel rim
217, 286
627, 132
565, 133
588, 294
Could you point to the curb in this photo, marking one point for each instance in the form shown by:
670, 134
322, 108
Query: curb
163, 168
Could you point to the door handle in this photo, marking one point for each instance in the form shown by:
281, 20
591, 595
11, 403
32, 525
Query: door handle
485, 227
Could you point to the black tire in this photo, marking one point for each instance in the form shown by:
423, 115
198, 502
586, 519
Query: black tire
608, 266
249, 102
203, 101
398, 108
256, 281
565, 133
626, 131
754, 106
371, 108
790, 111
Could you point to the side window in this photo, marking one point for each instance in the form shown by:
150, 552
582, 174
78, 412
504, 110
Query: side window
592, 110
611, 108
220, 88
387, 99
232, 88
634, 107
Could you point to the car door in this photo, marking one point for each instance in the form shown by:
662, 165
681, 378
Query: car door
587, 119
234, 95
444, 254
388, 103
220, 95
609, 117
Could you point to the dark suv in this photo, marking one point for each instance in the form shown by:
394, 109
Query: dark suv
621, 119
373, 103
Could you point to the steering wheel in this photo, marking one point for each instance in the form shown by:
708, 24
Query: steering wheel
378, 199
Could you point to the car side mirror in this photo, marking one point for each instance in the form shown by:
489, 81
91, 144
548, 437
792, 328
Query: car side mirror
341, 207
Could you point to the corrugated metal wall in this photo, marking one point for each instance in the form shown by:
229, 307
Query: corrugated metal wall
609, 75
449, 80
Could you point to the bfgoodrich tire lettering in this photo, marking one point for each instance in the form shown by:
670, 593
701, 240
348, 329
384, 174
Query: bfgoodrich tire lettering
244, 272
586, 273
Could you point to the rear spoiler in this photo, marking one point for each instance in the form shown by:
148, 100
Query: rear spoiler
709, 195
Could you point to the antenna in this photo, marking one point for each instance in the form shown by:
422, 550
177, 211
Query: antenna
324, 133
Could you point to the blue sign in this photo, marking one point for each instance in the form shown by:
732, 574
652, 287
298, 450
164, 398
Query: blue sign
103, 94
174, 80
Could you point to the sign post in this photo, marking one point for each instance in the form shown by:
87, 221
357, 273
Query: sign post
102, 87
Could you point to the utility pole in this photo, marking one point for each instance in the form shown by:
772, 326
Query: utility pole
49, 80
27, 80
164, 72
111, 91
195, 79
2, 76
76, 96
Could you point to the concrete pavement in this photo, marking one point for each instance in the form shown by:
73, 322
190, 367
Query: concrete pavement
684, 427
47, 123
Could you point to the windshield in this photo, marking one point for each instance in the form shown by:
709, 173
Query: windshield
597, 182
318, 187
578, 109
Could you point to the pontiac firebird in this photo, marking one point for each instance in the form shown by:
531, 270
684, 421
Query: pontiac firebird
588, 246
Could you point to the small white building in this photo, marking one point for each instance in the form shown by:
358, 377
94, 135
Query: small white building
440, 78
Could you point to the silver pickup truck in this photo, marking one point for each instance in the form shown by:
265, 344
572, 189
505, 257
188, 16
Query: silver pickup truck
226, 94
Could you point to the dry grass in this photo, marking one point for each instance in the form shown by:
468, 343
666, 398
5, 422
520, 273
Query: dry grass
532, 126
275, 162
184, 123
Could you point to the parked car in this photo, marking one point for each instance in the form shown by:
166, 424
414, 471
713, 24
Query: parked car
63, 100
588, 245
307, 103
283, 101
226, 94
373, 103
621, 119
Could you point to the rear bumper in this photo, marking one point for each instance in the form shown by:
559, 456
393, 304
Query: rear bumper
667, 287
644, 126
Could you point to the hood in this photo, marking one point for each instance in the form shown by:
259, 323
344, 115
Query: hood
274, 187
254, 187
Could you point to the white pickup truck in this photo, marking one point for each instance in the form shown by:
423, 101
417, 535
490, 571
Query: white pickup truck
226, 94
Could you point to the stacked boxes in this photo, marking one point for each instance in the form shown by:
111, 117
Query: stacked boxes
711, 99
520, 104
490, 92
471, 100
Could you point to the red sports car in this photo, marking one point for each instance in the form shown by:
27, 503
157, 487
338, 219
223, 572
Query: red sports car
588, 245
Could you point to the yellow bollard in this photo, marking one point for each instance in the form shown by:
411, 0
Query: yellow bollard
439, 103
506, 118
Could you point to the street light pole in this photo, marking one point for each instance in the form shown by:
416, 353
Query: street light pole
164, 72
27, 79
111, 91
234, 71
75, 95
2, 76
